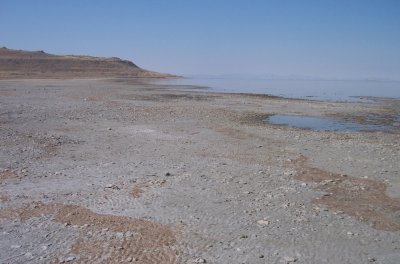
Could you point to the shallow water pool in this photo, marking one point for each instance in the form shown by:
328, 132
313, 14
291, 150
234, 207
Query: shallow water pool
322, 123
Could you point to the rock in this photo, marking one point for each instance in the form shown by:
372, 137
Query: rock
263, 222
128, 234
200, 260
112, 186
289, 259
261, 256
69, 259
168, 174
15, 246
371, 259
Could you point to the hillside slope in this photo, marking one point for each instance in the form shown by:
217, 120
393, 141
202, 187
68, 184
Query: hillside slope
18, 64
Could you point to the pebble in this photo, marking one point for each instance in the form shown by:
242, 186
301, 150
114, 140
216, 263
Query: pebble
200, 260
112, 186
69, 259
263, 222
289, 259
15, 246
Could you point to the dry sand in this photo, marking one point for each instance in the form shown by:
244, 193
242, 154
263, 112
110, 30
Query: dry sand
107, 171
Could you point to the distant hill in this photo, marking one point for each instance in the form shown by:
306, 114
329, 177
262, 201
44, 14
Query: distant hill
19, 64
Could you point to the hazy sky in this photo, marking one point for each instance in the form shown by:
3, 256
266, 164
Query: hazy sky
321, 38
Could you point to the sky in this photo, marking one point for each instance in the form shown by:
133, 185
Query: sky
321, 38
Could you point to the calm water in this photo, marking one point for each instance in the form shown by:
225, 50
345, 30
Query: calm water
310, 89
322, 123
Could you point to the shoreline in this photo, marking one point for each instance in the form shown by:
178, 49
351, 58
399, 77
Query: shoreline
207, 89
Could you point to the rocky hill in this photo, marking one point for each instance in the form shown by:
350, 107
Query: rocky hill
19, 64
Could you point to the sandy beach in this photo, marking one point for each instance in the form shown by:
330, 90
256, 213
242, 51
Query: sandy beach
123, 171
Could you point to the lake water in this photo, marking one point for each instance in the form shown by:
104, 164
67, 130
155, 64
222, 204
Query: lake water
327, 90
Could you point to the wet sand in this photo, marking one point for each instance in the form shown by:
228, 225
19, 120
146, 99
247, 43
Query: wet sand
120, 171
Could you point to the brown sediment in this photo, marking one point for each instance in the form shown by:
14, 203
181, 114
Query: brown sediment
139, 188
7, 174
4, 197
252, 118
147, 242
364, 199
137, 191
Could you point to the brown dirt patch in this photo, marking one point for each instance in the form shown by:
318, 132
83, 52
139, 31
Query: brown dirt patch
4, 197
364, 199
7, 174
139, 188
147, 242
251, 118
137, 191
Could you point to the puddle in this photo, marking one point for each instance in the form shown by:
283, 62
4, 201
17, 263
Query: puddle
323, 123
